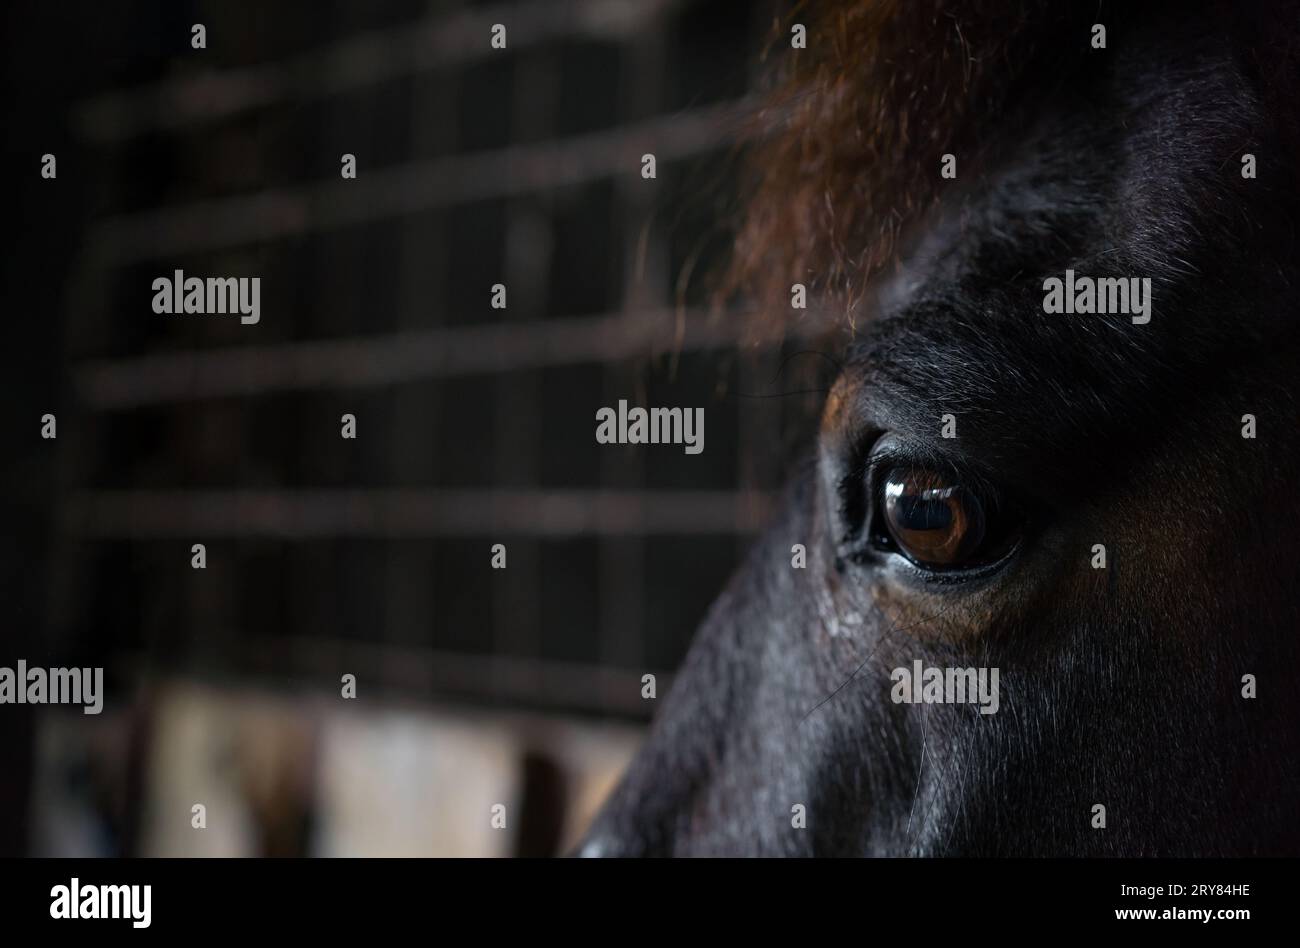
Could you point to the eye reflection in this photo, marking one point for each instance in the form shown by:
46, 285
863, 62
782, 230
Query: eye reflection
935, 520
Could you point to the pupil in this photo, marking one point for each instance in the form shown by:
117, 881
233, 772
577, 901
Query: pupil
921, 513
933, 521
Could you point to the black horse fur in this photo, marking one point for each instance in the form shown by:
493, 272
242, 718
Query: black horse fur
1120, 686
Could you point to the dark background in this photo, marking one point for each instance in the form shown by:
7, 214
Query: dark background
475, 426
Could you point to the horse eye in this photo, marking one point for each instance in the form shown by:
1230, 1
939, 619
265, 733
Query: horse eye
936, 521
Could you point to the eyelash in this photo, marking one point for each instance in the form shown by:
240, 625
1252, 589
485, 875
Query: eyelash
860, 501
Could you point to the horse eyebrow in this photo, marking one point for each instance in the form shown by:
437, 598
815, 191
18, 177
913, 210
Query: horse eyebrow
1028, 405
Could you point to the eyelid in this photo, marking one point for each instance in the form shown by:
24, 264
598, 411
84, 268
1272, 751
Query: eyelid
901, 452
891, 451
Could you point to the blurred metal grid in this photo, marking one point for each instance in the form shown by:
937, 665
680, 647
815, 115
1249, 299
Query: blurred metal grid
506, 355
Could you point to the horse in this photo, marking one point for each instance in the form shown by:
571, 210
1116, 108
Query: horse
1098, 507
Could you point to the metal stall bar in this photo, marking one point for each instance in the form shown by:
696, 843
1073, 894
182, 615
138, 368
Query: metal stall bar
438, 41
404, 189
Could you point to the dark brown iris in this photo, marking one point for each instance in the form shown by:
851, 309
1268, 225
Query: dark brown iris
934, 519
